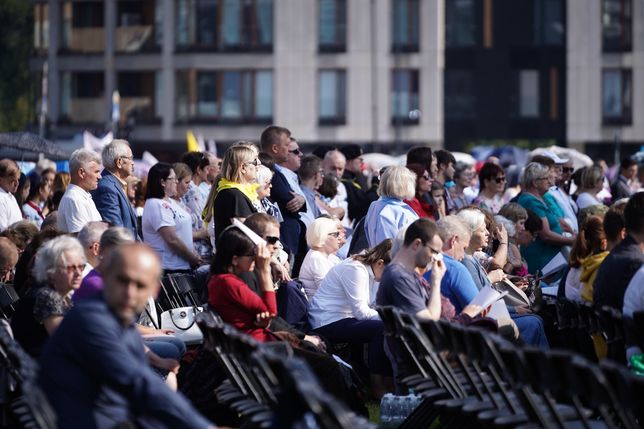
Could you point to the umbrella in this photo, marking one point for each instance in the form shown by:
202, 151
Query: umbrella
28, 146
579, 159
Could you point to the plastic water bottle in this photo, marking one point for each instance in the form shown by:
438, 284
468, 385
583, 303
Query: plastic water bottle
386, 408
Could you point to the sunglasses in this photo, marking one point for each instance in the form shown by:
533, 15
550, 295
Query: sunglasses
426, 177
272, 240
568, 169
295, 151
500, 179
256, 162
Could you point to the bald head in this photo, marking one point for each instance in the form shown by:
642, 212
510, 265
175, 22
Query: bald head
334, 163
8, 259
133, 276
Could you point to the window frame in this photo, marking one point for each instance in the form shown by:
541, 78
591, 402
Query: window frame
625, 43
340, 98
340, 28
626, 109
407, 47
414, 81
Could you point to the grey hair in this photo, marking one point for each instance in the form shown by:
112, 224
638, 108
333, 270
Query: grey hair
398, 182
91, 233
114, 150
52, 254
81, 158
263, 174
115, 236
452, 226
507, 223
472, 218
532, 172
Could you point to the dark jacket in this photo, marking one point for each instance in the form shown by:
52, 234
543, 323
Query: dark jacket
291, 228
616, 272
620, 189
359, 196
113, 205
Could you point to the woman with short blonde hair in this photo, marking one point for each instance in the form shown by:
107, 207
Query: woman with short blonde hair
323, 238
389, 213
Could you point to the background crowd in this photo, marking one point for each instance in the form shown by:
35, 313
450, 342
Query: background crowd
85, 251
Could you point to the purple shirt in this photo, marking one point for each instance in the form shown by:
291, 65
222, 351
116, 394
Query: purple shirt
92, 284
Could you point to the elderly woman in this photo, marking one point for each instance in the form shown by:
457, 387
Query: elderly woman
237, 190
57, 269
167, 227
530, 326
423, 185
492, 184
535, 184
517, 216
265, 205
591, 182
323, 238
389, 213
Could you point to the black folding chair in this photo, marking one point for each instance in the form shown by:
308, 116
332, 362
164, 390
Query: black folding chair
8, 300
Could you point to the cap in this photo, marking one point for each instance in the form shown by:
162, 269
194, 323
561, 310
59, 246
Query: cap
554, 157
351, 151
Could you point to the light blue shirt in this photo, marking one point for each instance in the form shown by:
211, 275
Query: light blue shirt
385, 218
294, 183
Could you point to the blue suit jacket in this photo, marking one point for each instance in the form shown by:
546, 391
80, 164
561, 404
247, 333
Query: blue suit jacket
289, 229
113, 205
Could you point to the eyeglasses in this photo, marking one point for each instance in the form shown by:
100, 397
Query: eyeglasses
334, 234
568, 169
129, 158
74, 268
174, 179
424, 176
500, 179
434, 251
256, 162
272, 240
295, 151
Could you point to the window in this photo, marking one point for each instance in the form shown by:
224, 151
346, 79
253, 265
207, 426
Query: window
224, 25
82, 97
138, 25
404, 97
549, 22
332, 97
617, 25
405, 28
460, 99
332, 22
527, 90
225, 96
41, 27
82, 27
617, 96
460, 23
139, 92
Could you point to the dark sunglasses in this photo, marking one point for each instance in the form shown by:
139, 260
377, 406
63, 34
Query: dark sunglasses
568, 169
426, 177
272, 240
499, 179
295, 151
256, 162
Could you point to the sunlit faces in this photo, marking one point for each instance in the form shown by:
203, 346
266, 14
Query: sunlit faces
249, 170
423, 183
332, 242
280, 150
425, 252
294, 157
459, 245
10, 183
264, 190
553, 175
69, 273
170, 184
630, 172
182, 186
449, 172
90, 176
480, 237
439, 196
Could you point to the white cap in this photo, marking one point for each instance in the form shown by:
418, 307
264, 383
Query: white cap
554, 157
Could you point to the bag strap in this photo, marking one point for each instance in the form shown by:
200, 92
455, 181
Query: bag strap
194, 319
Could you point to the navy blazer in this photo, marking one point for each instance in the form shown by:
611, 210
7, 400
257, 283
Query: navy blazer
113, 205
290, 228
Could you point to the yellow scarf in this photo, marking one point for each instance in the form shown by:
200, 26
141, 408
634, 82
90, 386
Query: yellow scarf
589, 267
248, 189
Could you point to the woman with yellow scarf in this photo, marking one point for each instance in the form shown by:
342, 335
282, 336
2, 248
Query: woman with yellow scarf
237, 189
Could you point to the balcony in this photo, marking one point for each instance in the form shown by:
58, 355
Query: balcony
87, 111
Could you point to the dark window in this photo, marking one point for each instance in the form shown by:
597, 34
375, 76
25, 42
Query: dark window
139, 25
224, 25
332, 97
526, 94
404, 97
87, 85
549, 22
617, 25
138, 91
460, 99
405, 28
226, 96
617, 96
332, 25
460, 23
87, 14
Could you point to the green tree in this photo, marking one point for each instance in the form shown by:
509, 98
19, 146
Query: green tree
16, 45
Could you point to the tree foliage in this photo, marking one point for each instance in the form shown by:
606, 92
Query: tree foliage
16, 24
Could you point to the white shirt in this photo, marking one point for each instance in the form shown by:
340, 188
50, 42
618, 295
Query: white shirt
294, 182
344, 203
573, 285
9, 210
345, 292
314, 268
159, 213
32, 215
76, 210
586, 200
567, 204
634, 295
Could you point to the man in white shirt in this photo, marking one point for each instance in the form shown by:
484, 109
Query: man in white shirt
564, 171
9, 177
76, 207
289, 169
334, 163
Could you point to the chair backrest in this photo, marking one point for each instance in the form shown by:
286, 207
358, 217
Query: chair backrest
8, 299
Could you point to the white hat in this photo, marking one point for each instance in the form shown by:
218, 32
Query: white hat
554, 157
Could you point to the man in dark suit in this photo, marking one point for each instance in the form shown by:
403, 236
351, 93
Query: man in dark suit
110, 196
621, 186
95, 372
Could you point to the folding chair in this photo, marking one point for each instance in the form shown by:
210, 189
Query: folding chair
8, 300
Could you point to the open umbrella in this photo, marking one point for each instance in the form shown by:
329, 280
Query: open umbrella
579, 159
26, 146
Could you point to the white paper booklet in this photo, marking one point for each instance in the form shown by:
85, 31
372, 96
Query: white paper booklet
499, 311
557, 263
486, 297
249, 232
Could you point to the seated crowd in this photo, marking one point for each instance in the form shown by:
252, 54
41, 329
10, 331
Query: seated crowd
86, 251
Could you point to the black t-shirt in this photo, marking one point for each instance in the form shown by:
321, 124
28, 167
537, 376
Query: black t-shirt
230, 203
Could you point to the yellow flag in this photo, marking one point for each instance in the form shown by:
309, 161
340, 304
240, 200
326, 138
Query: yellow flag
193, 146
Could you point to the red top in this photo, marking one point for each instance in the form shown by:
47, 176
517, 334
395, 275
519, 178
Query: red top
238, 305
422, 209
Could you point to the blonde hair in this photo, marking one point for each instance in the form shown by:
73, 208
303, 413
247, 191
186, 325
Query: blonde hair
318, 231
182, 171
235, 157
398, 182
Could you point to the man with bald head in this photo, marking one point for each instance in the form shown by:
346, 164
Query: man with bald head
8, 259
99, 353
9, 177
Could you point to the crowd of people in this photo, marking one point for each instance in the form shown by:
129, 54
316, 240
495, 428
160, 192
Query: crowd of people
85, 250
